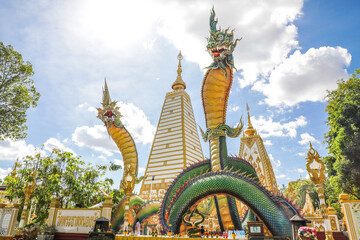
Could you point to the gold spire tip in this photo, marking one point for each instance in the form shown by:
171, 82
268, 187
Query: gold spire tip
180, 57
179, 83
250, 129
179, 70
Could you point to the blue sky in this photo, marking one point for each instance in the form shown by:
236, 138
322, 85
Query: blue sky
291, 52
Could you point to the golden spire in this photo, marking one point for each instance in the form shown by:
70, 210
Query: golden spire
179, 83
249, 130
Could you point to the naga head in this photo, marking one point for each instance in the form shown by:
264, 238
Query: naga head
109, 113
221, 45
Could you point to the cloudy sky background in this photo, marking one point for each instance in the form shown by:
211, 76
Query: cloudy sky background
292, 51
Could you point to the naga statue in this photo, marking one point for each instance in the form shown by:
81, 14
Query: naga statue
193, 229
222, 177
110, 115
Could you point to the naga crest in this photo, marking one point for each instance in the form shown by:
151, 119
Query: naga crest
109, 114
221, 45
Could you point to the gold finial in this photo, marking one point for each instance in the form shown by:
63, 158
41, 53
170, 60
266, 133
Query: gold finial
179, 83
250, 129
179, 57
315, 166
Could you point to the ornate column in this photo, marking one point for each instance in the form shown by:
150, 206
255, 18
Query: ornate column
29, 190
55, 203
316, 168
128, 185
14, 209
106, 207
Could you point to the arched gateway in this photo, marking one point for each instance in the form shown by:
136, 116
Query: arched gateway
198, 182
265, 205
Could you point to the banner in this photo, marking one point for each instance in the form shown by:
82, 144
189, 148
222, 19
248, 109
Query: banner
76, 220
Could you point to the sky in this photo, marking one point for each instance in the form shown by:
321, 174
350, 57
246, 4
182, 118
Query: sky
291, 53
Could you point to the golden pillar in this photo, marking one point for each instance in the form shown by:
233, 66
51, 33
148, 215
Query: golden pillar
316, 168
107, 207
29, 190
128, 184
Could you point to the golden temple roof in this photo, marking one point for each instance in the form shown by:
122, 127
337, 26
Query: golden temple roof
179, 83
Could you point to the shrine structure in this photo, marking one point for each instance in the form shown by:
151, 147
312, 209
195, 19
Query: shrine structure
176, 144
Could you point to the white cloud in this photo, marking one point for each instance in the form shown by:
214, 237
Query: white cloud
301, 154
137, 123
102, 157
305, 77
233, 108
96, 138
306, 138
87, 107
268, 142
4, 172
281, 176
267, 127
141, 170
275, 163
52, 143
12, 150
98, 28
300, 170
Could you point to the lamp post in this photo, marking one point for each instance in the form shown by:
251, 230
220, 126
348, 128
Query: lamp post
316, 168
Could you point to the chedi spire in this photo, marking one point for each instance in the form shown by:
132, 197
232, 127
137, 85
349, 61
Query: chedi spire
179, 83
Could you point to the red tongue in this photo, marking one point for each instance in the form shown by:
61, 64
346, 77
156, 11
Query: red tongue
108, 113
216, 54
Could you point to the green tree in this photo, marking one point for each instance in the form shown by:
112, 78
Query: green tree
17, 93
62, 175
343, 137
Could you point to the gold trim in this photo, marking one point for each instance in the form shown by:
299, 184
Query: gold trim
183, 132
262, 163
350, 222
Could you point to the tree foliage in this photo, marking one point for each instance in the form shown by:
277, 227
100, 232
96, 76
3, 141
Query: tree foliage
343, 137
62, 175
17, 93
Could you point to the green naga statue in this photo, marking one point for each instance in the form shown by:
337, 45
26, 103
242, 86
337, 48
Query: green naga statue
222, 177
193, 228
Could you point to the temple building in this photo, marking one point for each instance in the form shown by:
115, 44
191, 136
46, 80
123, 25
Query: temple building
253, 150
176, 144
